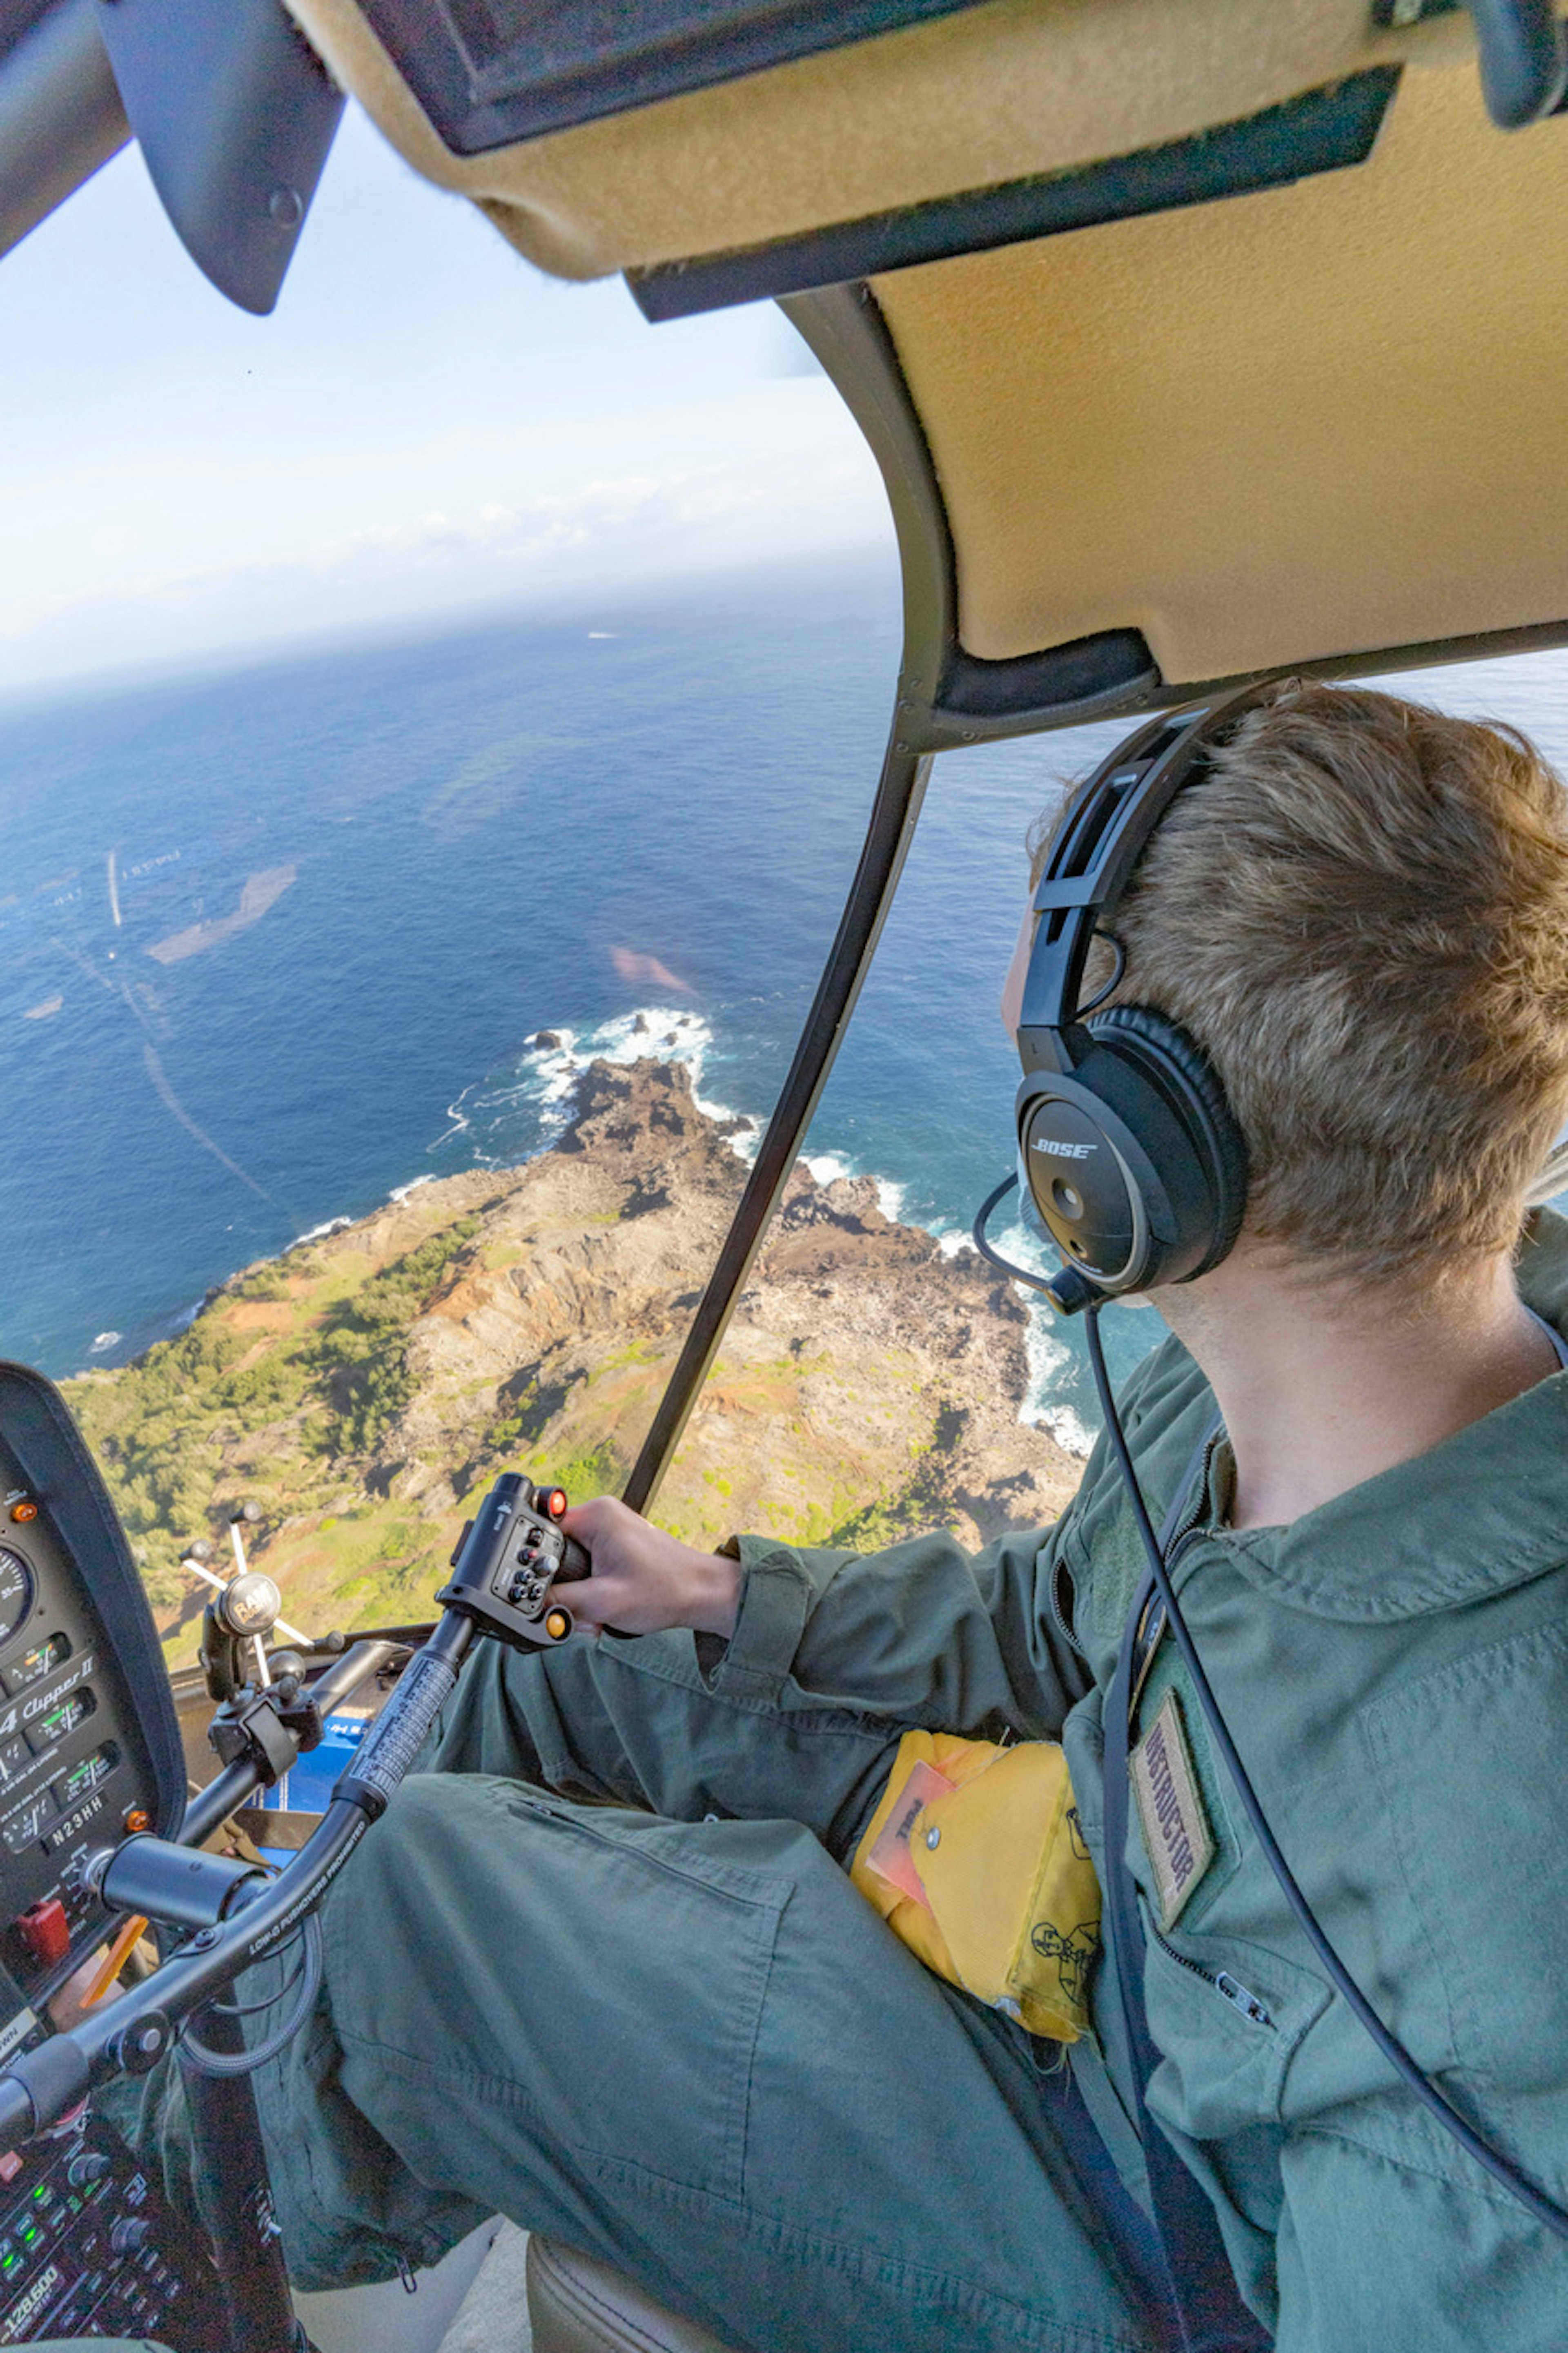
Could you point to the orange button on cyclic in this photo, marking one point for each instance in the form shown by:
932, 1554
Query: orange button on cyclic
557, 1625
24, 1512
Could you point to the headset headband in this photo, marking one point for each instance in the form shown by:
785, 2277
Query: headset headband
1107, 829
1126, 1143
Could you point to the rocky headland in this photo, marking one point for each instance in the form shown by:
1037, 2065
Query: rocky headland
365, 1389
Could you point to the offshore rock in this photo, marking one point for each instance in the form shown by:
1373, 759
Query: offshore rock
366, 1388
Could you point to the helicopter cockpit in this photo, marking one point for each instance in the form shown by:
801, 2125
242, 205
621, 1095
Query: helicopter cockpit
1193, 348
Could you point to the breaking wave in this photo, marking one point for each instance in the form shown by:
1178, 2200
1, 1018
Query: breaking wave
519, 1110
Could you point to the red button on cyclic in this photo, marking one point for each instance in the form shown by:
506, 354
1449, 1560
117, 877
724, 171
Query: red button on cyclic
46, 1931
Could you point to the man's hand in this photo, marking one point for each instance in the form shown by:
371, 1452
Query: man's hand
643, 1580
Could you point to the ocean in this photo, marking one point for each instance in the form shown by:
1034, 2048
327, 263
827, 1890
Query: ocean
275, 940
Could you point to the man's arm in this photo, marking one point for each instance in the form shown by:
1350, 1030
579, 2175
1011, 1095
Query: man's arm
923, 1632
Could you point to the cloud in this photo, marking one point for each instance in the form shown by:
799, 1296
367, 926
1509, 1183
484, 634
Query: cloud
606, 535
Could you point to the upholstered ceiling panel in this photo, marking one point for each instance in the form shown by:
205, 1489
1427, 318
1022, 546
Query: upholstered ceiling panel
1322, 420
990, 95
1316, 421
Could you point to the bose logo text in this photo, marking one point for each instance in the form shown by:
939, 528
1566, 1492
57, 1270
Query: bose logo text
1065, 1151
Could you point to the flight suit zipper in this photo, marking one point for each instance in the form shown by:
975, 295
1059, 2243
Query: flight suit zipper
1229, 1988
1057, 1613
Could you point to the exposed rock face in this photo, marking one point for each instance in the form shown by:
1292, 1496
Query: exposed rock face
864, 1378
868, 1385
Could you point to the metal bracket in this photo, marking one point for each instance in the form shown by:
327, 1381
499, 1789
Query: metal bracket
234, 114
1523, 59
250, 1729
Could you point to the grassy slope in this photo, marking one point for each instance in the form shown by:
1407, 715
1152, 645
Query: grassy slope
284, 1388
280, 1390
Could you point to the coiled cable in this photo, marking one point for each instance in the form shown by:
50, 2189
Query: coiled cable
306, 1979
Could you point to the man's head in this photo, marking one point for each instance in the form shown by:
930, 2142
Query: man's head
1361, 913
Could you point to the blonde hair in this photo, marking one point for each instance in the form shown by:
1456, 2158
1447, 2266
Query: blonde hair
1361, 913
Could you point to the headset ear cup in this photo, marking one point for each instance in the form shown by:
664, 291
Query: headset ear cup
1164, 1052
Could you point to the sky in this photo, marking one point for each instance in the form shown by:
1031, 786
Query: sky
424, 426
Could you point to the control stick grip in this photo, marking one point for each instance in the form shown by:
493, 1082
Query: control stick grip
575, 1563
388, 1749
551, 1505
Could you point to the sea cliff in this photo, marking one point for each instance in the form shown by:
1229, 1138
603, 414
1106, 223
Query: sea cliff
365, 1387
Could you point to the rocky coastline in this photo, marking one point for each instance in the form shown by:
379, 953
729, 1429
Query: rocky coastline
365, 1387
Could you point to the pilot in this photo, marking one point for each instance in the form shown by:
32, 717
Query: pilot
603, 1968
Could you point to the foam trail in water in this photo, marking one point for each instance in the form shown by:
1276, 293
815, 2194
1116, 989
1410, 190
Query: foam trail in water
177, 1110
458, 1118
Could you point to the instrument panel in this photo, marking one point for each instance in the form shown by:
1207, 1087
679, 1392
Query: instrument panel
89, 1751
89, 2248
88, 1747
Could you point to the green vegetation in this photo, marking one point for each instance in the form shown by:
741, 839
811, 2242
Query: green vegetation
361, 1356
923, 1501
282, 1390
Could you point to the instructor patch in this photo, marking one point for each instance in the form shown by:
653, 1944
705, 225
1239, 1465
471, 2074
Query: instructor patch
1171, 1809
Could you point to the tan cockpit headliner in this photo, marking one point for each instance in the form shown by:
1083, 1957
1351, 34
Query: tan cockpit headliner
1280, 427
1314, 421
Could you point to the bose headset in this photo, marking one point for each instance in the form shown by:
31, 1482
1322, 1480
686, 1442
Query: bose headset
1133, 1159
1137, 1170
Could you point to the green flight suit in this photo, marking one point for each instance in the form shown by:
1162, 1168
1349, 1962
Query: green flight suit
686, 2043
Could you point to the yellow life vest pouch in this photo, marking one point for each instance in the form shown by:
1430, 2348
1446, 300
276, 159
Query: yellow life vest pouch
975, 1859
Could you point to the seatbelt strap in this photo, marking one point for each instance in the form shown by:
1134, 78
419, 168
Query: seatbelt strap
1210, 2315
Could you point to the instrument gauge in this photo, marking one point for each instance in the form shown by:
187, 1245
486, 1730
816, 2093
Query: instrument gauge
26, 1821
15, 1594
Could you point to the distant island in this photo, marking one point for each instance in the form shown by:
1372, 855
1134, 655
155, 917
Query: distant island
365, 1387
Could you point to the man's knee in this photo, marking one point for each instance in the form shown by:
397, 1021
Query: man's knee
588, 1715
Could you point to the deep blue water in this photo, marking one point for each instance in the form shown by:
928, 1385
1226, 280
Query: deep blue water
473, 824
449, 840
